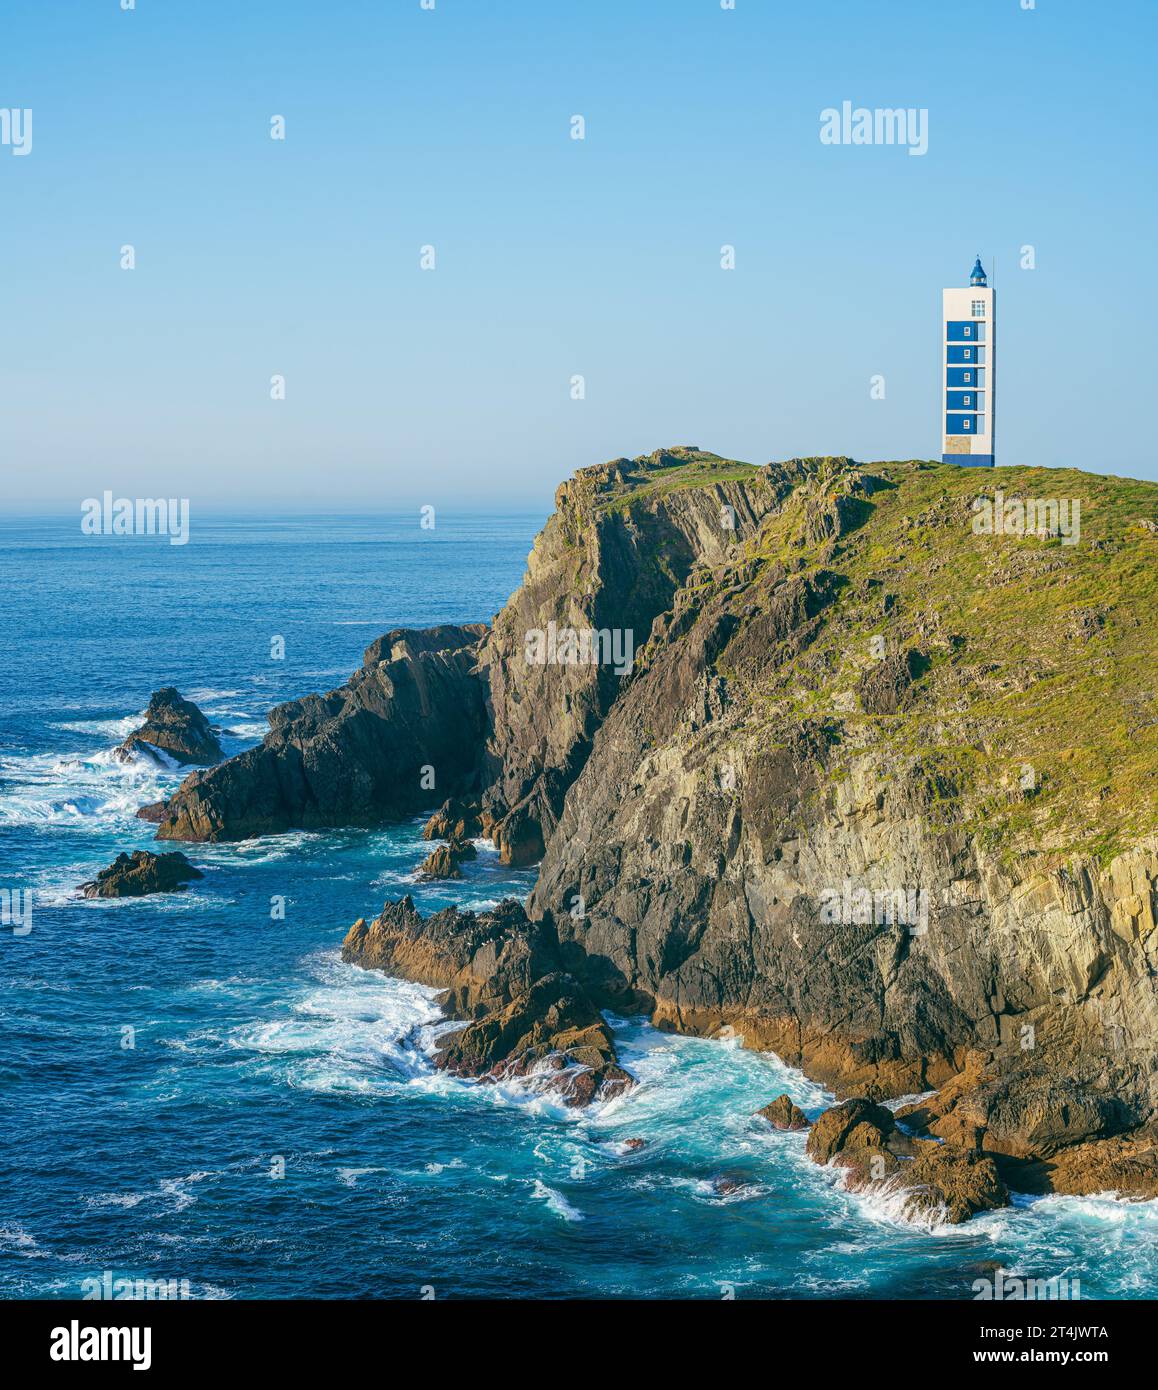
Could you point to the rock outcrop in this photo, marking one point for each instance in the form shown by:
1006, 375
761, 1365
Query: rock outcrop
134, 875
501, 973
176, 727
407, 729
783, 1113
859, 794
932, 1180
445, 861
455, 819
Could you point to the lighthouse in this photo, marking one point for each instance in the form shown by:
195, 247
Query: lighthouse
968, 353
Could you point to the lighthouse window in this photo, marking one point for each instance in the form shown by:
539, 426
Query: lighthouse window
965, 422
978, 308
967, 354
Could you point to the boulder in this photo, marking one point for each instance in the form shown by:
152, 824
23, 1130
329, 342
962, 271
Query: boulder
455, 819
154, 812
783, 1114
444, 862
134, 875
176, 727
858, 1123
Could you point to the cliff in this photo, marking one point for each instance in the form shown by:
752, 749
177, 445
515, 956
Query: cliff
877, 788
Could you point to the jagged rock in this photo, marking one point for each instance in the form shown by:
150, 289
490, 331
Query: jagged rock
937, 1181
445, 860
455, 819
154, 811
134, 875
500, 972
1127, 1166
358, 756
884, 687
857, 1123
783, 1114
176, 727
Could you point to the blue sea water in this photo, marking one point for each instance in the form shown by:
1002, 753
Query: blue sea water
276, 1129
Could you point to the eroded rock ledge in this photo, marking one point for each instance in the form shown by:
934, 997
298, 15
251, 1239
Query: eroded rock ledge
501, 974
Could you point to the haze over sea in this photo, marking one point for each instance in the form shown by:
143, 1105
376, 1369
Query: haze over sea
256, 1049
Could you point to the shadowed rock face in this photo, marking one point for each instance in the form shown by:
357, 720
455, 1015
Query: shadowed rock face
501, 973
177, 727
134, 875
360, 755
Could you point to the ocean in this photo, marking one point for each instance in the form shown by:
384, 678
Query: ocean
195, 1090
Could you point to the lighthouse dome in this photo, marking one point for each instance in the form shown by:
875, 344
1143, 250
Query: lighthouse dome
978, 277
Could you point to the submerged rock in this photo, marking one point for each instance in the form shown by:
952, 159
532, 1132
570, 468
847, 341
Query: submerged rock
176, 727
134, 875
501, 973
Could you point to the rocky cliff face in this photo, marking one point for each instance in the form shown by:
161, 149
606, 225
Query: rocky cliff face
807, 818
879, 790
597, 568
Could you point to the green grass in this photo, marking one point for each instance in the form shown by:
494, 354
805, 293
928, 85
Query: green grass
1014, 678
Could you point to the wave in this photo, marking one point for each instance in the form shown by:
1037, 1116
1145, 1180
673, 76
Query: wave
116, 729
60, 790
556, 1202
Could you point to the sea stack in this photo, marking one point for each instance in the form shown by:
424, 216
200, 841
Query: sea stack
176, 727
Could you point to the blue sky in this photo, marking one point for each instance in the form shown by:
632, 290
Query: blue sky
556, 257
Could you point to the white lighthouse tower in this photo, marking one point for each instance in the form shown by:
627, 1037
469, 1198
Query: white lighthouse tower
968, 354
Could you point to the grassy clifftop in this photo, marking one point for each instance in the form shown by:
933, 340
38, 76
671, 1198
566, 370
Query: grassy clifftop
1020, 668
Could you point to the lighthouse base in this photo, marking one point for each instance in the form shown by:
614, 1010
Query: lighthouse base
969, 460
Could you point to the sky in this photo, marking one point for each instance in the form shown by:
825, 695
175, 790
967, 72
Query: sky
451, 127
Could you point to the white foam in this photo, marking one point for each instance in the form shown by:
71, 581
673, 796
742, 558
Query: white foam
15, 1237
556, 1202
